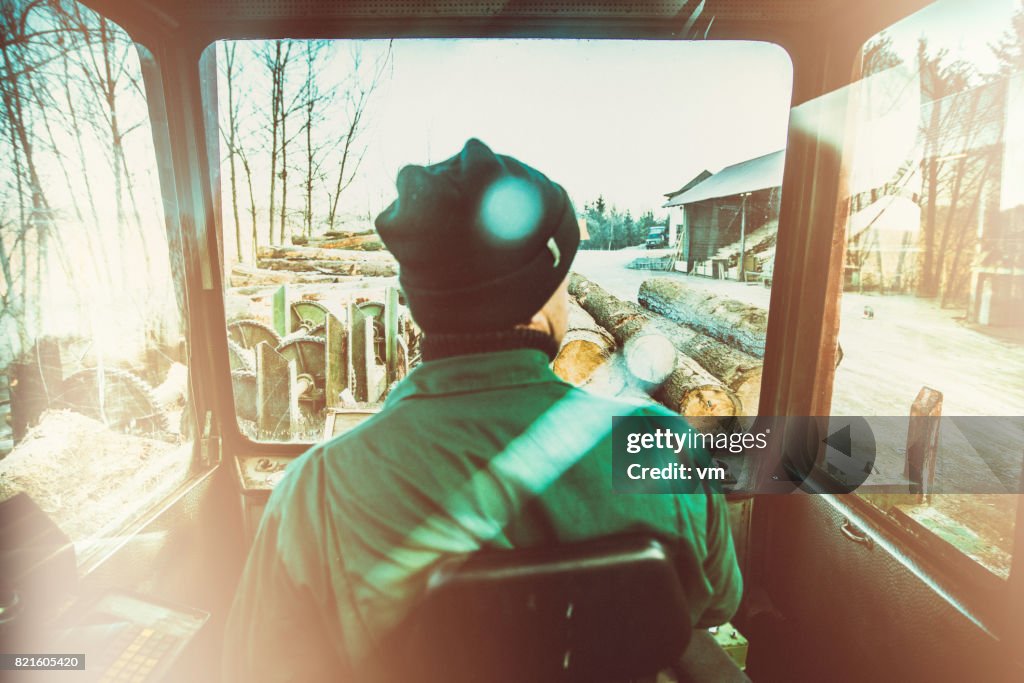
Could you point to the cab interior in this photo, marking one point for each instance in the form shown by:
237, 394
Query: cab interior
838, 585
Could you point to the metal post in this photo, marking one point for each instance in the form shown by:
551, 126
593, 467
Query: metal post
368, 360
391, 334
277, 404
357, 353
923, 441
336, 377
742, 275
282, 311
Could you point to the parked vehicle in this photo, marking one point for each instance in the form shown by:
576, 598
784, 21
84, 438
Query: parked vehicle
657, 237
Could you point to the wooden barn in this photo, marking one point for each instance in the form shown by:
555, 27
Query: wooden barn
729, 218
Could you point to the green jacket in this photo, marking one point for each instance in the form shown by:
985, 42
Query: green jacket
490, 450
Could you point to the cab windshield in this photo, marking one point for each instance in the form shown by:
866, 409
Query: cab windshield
313, 134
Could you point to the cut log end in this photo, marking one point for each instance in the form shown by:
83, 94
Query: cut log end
668, 356
608, 379
586, 347
578, 360
708, 401
650, 357
747, 388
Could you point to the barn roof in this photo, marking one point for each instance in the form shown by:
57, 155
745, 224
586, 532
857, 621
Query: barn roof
759, 173
697, 180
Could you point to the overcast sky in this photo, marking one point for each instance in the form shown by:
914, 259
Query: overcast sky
631, 120
627, 119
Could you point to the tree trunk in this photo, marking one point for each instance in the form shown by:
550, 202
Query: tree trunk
108, 73
97, 270
340, 187
368, 242
252, 203
737, 324
311, 95
685, 386
98, 252
332, 267
692, 392
333, 237
960, 250
284, 165
585, 348
927, 286
229, 58
307, 228
275, 113
343, 234
300, 253
247, 276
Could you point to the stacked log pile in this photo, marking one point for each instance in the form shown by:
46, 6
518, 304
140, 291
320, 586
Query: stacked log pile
683, 385
244, 275
355, 240
687, 369
327, 261
332, 257
732, 322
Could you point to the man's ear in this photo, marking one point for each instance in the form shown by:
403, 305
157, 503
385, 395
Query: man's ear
541, 323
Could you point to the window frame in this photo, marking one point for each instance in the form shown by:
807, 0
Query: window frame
203, 460
981, 596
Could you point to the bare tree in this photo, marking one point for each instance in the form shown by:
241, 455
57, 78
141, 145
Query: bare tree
103, 62
285, 110
238, 147
275, 58
878, 55
231, 138
358, 92
940, 79
68, 92
296, 80
34, 217
1009, 49
252, 200
312, 101
297, 103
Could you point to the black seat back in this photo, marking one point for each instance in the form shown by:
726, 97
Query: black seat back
605, 610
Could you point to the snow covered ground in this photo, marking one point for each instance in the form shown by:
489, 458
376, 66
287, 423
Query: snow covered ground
910, 343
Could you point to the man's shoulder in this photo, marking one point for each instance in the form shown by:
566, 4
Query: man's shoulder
620, 405
359, 458
323, 475
319, 461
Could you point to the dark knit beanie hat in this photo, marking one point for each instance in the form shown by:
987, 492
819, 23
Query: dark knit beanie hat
482, 240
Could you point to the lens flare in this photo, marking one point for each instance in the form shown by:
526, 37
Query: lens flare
650, 357
510, 210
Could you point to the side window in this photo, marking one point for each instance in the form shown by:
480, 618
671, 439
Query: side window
682, 209
932, 317
94, 380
